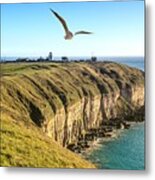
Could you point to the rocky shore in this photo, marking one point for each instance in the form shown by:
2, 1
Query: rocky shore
107, 130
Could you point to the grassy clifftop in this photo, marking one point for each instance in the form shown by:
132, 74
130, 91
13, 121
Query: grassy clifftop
38, 89
33, 93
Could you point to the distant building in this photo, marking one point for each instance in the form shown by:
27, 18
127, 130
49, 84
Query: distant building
93, 59
40, 59
50, 56
64, 59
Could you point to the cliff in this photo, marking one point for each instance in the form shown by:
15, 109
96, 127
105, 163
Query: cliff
65, 100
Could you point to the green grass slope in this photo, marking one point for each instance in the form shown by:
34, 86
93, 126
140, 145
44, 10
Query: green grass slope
23, 145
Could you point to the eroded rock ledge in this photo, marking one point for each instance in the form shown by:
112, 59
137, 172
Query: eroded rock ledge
67, 100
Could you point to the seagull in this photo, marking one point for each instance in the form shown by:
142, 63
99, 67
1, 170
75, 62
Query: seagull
68, 34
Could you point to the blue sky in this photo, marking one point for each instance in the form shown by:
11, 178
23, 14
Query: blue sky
31, 29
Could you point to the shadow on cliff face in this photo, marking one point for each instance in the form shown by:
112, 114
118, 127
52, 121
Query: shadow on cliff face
41, 91
59, 92
34, 112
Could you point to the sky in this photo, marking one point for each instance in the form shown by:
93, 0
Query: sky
32, 30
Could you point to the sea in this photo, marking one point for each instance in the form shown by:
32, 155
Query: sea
125, 152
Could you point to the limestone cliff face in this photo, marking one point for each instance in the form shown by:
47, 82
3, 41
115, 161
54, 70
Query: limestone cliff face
66, 100
90, 112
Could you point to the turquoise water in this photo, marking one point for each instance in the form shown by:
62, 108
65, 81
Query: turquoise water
124, 152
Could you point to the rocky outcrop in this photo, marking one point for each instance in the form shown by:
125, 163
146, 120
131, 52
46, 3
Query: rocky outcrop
67, 100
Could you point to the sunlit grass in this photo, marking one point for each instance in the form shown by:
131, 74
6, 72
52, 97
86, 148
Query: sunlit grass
28, 146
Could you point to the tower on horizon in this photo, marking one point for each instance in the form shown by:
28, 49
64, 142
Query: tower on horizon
50, 56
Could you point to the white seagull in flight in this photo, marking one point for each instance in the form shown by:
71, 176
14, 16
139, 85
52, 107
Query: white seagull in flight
68, 35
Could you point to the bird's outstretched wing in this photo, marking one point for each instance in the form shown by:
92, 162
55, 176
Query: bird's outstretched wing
63, 22
82, 32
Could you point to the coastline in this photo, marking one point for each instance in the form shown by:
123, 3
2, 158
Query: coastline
99, 142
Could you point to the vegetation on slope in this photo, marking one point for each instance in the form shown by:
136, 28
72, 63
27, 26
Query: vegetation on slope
24, 145
32, 93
